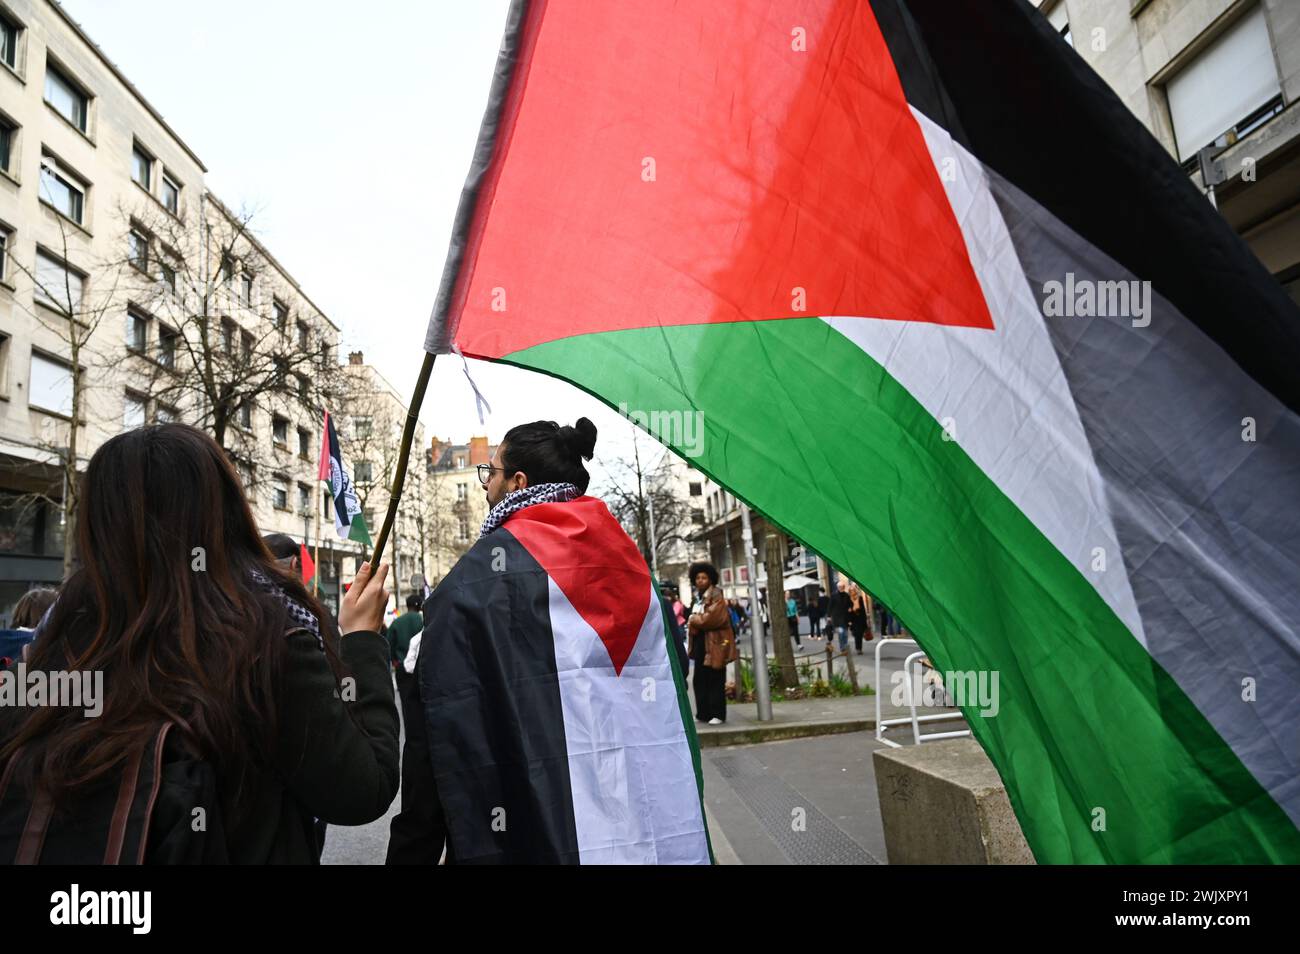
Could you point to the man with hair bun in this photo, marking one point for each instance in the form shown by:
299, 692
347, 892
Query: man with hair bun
553, 704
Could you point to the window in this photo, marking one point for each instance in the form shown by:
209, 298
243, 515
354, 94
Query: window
8, 132
364, 472
168, 275
280, 431
302, 335
66, 98
171, 195
304, 389
6, 238
57, 285
460, 463
227, 336
4, 365
227, 269
135, 410
9, 42
462, 491
141, 167
361, 427
281, 379
304, 499
370, 518
246, 345
1225, 88
50, 388
462, 531
696, 490
246, 288
246, 415
61, 189
304, 443
280, 496
165, 415
139, 243
167, 346
137, 331
281, 315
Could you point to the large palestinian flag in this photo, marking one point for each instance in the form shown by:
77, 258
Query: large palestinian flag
885, 248
558, 727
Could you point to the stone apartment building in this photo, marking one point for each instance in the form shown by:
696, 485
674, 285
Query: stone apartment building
117, 262
455, 502
1222, 74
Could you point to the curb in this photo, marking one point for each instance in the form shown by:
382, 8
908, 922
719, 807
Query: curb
775, 733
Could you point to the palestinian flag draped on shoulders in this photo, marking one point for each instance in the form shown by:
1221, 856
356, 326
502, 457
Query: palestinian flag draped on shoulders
558, 725
954, 319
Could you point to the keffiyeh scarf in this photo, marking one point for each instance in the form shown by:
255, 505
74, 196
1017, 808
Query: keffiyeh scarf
517, 500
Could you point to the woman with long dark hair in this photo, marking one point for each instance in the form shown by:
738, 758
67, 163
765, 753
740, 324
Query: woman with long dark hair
194, 625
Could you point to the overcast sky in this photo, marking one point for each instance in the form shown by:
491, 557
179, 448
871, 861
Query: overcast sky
348, 128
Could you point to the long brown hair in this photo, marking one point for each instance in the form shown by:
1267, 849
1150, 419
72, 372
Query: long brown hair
169, 606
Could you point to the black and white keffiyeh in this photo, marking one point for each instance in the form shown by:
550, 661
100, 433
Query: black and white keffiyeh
517, 500
298, 614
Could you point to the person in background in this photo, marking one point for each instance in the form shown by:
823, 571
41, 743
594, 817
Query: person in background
679, 608
712, 644
817, 612
286, 551
859, 615
675, 627
839, 614
405, 628
232, 655
29, 610
792, 617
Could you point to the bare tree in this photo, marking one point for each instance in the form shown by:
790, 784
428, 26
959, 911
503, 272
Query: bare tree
633, 490
227, 336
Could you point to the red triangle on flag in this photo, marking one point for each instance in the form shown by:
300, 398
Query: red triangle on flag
308, 565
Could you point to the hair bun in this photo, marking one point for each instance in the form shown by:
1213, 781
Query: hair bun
581, 438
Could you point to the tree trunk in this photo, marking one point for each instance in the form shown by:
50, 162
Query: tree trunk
776, 612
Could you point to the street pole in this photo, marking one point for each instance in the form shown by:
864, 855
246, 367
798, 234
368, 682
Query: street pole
757, 636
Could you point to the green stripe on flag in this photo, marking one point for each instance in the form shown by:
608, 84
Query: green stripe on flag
358, 530
806, 427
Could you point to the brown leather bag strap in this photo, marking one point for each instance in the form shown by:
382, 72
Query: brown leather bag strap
121, 810
155, 783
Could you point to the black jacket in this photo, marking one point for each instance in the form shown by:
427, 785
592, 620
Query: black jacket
336, 759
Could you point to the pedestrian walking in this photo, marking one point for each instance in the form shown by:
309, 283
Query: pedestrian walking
403, 629
792, 617
839, 615
859, 615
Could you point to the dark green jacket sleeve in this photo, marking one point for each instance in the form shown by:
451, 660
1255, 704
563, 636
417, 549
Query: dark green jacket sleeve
339, 753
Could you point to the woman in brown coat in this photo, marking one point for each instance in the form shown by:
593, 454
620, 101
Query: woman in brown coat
712, 644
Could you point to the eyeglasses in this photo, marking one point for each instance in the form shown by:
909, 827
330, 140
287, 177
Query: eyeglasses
485, 472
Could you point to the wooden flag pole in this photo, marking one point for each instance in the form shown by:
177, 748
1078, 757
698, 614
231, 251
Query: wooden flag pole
404, 455
315, 579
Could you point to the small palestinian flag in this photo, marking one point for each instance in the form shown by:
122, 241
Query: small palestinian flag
559, 729
308, 564
349, 521
949, 314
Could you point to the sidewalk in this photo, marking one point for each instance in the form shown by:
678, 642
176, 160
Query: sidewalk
801, 718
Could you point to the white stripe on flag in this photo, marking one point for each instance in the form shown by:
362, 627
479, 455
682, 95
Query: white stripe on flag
635, 799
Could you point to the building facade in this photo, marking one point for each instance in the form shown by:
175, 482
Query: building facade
1217, 83
455, 503
121, 276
